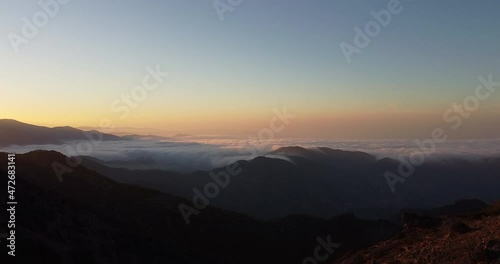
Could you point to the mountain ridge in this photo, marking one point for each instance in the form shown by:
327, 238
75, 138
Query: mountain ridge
93, 219
328, 186
13, 132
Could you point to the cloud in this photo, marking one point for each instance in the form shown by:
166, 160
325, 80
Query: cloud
193, 153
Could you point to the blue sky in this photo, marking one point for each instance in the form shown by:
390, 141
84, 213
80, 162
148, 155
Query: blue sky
263, 55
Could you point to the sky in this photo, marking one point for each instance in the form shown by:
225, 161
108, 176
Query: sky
229, 76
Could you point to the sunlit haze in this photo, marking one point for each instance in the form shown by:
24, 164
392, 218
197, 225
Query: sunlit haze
226, 77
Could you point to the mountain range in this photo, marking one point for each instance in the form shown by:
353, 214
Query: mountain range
276, 208
13, 132
89, 218
324, 182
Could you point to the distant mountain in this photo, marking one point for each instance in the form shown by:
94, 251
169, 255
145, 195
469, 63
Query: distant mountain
13, 132
326, 182
89, 218
143, 137
182, 135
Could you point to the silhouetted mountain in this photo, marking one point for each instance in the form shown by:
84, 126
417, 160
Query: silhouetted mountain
331, 157
89, 218
327, 182
13, 132
459, 208
143, 137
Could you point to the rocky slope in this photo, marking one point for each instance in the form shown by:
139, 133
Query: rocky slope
444, 240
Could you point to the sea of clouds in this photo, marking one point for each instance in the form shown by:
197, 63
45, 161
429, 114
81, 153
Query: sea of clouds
206, 153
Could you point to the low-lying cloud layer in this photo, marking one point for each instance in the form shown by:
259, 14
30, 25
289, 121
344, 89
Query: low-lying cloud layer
191, 154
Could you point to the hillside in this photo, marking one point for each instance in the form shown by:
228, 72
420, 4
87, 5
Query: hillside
441, 240
325, 182
13, 132
88, 218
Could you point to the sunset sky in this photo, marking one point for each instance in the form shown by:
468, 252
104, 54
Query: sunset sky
226, 77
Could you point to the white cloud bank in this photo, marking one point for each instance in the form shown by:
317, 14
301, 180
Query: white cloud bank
190, 154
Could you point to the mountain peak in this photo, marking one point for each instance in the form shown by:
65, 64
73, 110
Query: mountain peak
291, 151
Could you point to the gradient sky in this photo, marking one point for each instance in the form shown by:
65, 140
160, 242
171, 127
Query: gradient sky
226, 77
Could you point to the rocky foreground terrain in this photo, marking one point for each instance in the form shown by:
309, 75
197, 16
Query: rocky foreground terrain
467, 239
